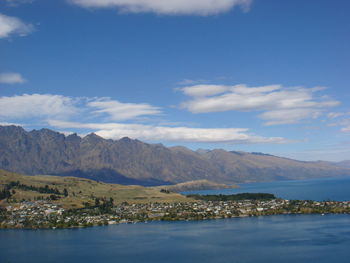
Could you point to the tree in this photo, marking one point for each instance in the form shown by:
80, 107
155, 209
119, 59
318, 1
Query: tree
5, 194
65, 192
54, 197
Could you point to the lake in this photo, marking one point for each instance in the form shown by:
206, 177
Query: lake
283, 238
337, 189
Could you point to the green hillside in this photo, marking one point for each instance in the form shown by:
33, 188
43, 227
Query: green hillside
80, 191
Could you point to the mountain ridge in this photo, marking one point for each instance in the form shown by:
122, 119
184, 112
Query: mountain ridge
129, 161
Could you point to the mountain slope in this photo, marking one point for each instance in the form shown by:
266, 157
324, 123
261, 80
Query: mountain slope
49, 152
128, 161
252, 167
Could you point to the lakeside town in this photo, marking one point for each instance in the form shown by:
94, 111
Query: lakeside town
45, 214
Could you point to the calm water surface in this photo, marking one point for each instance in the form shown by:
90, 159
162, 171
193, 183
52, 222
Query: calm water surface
317, 189
303, 238
284, 238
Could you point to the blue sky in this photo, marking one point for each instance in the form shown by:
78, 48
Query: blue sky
253, 75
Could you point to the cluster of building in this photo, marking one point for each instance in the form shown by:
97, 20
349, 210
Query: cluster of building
23, 214
227, 209
43, 214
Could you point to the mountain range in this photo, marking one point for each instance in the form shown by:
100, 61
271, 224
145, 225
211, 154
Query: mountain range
128, 161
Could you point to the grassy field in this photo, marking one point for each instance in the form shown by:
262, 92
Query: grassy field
82, 190
195, 185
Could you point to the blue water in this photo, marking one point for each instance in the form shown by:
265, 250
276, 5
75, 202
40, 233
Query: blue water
303, 238
283, 238
337, 189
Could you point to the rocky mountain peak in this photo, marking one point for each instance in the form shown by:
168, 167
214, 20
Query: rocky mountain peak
48, 152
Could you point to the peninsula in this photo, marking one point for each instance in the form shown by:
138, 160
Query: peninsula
64, 202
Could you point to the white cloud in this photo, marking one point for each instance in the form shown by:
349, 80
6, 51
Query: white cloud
279, 105
289, 116
58, 111
15, 3
204, 90
346, 129
36, 105
10, 124
13, 26
168, 7
334, 115
344, 123
340, 119
11, 78
123, 111
176, 134
47, 105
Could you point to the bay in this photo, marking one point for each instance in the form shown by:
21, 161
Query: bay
287, 238
332, 188
282, 238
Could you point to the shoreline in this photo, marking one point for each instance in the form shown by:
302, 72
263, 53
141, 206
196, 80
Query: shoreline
31, 217
169, 221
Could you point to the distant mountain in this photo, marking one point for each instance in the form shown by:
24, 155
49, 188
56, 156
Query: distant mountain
128, 161
256, 167
345, 164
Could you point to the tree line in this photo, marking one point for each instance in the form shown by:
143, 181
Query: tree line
7, 193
